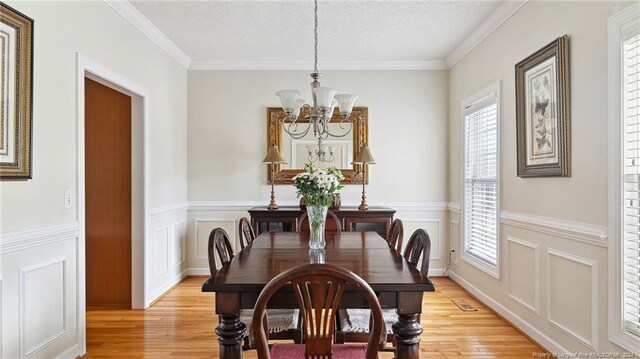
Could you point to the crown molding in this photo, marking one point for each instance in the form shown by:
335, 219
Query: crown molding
490, 24
325, 65
142, 23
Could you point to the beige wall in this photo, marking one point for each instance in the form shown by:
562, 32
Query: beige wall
93, 29
407, 132
40, 239
569, 276
227, 141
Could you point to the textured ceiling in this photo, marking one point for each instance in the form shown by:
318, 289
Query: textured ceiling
348, 30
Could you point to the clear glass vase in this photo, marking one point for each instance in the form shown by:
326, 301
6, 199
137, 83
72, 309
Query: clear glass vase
317, 216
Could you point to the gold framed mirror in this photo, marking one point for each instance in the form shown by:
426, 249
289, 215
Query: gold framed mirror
298, 151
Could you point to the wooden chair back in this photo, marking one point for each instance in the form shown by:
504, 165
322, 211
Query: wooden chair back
331, 225
419, 246
394, 236
247, 234
318, 289
219, 243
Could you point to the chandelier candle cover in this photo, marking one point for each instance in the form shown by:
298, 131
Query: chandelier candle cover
318, 187
319, 113
273, 157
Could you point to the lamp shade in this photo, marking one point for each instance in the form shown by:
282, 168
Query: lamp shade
273, 156
345, 102
288, 99
324, 97
364, 156
296, 108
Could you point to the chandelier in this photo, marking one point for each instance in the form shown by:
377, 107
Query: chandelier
319, 113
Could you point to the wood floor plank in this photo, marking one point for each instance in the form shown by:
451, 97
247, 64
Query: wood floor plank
182, 323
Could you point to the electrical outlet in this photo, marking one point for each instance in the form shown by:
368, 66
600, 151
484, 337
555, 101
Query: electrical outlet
68, 200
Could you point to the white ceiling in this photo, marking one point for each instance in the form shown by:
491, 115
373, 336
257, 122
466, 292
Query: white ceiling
244, 34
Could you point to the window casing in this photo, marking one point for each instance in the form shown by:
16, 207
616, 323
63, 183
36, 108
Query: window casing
481, 185
624, 183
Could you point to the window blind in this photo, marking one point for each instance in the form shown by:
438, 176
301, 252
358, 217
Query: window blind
631, 178
481, 181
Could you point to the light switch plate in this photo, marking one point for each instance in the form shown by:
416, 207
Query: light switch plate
68, 200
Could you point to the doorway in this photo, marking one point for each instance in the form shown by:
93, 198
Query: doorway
108, 210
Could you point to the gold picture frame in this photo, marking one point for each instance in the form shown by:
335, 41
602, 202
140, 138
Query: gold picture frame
543, 112
360, 135
16, 97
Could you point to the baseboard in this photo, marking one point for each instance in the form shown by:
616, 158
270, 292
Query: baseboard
535, 334
436, 272
198, 271
71, 353
165, 287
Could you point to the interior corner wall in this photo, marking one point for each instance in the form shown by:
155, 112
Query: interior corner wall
39, 246
554, 275
227, 140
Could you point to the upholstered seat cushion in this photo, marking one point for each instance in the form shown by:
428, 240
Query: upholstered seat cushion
338, 351
357, 320
279, 319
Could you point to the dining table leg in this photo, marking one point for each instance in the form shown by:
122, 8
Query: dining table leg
230, 333
407, 332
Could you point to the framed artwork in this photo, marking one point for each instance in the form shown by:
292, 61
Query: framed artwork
543, 113
16, 83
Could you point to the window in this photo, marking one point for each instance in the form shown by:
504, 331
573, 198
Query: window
480, 209
624, 199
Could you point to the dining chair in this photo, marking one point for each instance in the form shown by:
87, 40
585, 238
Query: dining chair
331, 225
285, 323
353, 324
394, 236
318, 289
247, 234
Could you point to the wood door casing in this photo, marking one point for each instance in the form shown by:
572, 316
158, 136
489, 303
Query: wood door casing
108, 196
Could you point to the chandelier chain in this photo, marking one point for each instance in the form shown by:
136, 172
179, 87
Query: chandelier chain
315, 34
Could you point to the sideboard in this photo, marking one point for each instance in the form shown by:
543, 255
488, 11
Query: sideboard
376, 219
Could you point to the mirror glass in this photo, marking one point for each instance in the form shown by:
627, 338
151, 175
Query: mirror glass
339, 150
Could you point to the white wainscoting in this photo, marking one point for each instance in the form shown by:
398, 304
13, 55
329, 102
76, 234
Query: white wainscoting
433, 228
551, 288
39, 293
43, 319
577, 318
160, 252
204, 226
523, 273
206, 215
168, 239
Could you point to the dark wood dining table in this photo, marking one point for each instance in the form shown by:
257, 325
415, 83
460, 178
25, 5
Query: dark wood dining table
398, 284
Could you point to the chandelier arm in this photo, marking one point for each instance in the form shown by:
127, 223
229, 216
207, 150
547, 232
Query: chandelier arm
341, 135
294, 134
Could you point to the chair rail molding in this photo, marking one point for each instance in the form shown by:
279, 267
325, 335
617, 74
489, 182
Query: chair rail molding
169, 208
33, 237
577, 231
246, 205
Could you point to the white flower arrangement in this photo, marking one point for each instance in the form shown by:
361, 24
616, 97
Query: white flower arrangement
318, 186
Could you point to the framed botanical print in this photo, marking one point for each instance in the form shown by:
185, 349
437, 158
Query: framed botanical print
16, 83
543, 113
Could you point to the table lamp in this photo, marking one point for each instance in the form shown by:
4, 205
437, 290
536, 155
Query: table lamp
364, 158
273, 157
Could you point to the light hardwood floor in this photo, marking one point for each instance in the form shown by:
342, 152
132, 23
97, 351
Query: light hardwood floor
181, 325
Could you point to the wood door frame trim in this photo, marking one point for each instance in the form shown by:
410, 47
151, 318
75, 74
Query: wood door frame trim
86, 67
